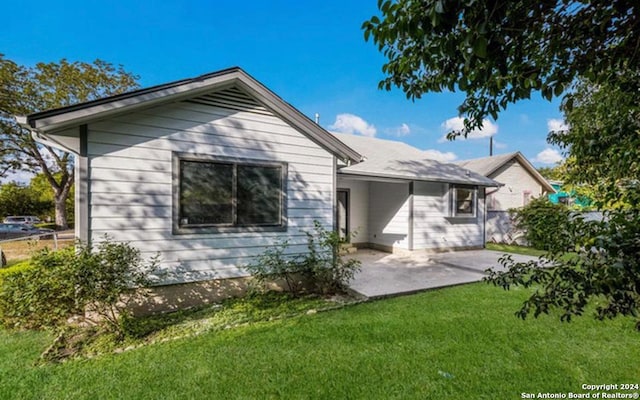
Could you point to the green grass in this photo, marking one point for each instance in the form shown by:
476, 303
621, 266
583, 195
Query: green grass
456, 343
507, 248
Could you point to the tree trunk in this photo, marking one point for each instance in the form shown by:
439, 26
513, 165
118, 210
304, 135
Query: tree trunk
61, 211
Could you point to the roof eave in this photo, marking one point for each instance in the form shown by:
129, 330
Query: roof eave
484, 183
58, 119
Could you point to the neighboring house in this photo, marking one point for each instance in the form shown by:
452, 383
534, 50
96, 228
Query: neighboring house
211, 171
521, 183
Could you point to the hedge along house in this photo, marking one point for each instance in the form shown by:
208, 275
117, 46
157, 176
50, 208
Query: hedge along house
211, 171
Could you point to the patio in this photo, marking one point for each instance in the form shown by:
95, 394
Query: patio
384, 274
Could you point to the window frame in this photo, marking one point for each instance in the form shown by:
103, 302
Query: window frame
179, 229
453, 192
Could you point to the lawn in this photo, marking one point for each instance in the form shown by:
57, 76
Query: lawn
508, 248
454, 343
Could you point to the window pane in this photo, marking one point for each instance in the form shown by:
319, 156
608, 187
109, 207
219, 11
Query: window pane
259, 195
464, 201
206, 193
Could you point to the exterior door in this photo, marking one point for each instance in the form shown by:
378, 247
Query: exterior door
342, 211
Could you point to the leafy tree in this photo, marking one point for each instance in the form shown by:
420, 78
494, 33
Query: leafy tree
41, 187
16, 199
502, 52
604, 140
25, 90
499, 52
552, 173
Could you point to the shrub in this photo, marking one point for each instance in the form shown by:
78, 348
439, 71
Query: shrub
330, 272
545, 225
58, 285
274, 264
322, 269
40, 295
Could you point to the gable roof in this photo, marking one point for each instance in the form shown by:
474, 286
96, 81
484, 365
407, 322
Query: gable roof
489, 165
398, 160
50, 121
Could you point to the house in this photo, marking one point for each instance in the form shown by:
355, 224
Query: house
521, 183
398, 199
211, 171
521, 180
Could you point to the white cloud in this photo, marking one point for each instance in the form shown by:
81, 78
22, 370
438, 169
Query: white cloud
402, 130
349, 123
457, 123
548, 156
440, 156
555, 124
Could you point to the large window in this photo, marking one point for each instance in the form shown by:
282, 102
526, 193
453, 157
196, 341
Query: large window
216, 194
463, 201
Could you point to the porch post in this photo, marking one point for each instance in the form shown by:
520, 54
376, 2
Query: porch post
82, 221
410, 233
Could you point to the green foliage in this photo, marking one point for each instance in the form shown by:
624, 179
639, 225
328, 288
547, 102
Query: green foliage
603, 268
15, 268
545, 225
25, 90
322, 268
499, 52
40, 185
41, 295
16, 199
604, 141
330, 271
555, 173
277, 264
58, 285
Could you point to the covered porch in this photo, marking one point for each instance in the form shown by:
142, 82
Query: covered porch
400, 216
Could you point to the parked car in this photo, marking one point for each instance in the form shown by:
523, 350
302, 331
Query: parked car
22, 219
18, 230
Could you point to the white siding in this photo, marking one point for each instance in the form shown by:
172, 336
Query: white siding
389, 214
131, 182
358, 208
516, 180
433, 228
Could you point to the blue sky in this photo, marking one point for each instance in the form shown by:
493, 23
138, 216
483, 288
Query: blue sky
311, 53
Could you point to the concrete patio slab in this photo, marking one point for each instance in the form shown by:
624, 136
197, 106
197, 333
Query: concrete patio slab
385, 274
477, 260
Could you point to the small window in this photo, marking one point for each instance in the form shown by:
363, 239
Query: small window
463, 202
215, 194
526, 197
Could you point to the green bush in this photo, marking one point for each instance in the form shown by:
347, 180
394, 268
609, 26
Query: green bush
58, 285
38, 295
275, 264
322, 269
545, 225
330, 272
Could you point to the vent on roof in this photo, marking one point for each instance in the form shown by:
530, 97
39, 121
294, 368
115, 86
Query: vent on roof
233, 99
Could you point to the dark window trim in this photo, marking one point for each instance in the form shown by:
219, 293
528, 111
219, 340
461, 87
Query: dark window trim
453, 201
203, 229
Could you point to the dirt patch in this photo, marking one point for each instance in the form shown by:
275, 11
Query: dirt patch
19, 250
